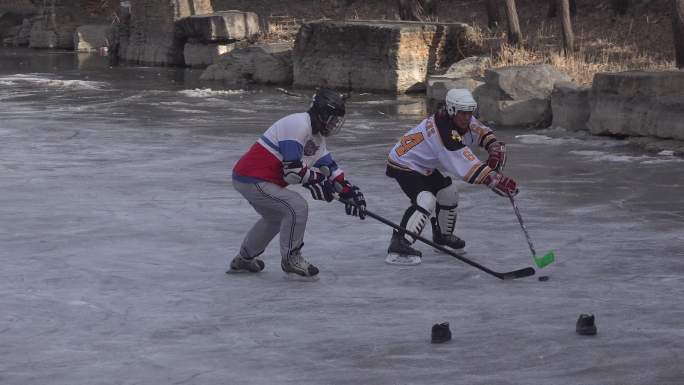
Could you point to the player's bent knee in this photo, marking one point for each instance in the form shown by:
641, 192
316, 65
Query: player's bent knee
448, 196
427, 201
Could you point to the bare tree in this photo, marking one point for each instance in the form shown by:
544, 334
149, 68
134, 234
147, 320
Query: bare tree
416, 9
514, 33
493, 14
568, 36
678, 30
553, 9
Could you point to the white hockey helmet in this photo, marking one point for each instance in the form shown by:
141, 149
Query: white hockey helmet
459, 99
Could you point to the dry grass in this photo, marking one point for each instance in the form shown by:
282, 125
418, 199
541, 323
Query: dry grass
282, 29
617, 47
582, 64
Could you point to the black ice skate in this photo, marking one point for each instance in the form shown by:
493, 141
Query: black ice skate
448, 240
240, 264
296, 264
400, 251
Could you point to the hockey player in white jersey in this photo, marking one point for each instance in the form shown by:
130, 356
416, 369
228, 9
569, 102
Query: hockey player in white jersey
441, 143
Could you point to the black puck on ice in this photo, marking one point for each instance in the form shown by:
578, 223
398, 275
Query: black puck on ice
543, 278
586, 325
440, 333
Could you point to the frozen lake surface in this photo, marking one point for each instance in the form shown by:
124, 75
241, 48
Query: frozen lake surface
117, 216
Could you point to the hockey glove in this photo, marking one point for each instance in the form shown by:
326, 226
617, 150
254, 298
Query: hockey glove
321, 190
497, 156
354, 201
501, 184
295, 172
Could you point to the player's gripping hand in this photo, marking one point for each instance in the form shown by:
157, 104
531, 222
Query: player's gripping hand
501, 184
354, 201
321, 189
497, 156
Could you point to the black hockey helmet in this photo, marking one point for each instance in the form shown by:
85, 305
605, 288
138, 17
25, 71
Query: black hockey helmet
327, 111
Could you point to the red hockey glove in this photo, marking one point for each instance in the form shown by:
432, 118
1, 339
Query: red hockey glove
497, 156
354, 201
501, 184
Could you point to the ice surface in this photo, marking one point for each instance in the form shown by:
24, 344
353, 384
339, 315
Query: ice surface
117, 216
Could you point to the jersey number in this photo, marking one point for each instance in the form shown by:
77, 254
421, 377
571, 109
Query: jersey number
468, 155
407, 142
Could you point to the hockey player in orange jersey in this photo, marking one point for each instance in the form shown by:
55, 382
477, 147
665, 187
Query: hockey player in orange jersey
441, 143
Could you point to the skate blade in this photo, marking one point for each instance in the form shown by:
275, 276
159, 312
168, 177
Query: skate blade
403, 260
300, 278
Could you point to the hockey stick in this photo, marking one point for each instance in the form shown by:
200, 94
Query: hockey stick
549, 257
521, 273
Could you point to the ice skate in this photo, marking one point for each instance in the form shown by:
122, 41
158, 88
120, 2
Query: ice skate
400, 252
449, 240
243, 265
294, 263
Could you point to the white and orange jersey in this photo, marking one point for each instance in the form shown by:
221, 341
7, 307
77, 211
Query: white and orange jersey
478, 135
422, 150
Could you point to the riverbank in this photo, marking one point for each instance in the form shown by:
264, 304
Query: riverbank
641, 39
338, 54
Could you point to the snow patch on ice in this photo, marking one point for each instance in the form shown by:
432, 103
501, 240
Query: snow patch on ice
362, 126
243, 110
43, 81
174, 103
377, 102
208, 92
543, 139
581, 139
533, 139
663, 160
600, 156
190, 111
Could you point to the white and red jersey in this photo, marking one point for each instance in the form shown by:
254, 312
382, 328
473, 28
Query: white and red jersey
423, 150
288, 139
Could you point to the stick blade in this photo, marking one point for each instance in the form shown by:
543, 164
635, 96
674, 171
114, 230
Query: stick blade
522, 273
545, 260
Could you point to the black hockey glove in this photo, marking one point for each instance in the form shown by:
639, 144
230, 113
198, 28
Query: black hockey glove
321, 190
354, 201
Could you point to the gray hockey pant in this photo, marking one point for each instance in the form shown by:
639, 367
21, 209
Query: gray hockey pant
282, 211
